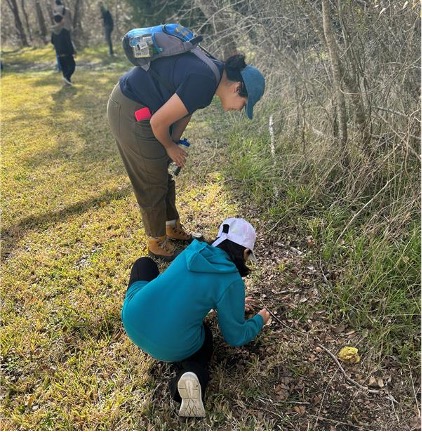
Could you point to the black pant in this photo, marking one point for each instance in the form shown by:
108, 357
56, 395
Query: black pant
198, 363
107, 35
143, 269
146, 269
67, 64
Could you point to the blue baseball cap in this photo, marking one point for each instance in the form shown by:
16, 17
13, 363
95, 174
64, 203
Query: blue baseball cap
255, 86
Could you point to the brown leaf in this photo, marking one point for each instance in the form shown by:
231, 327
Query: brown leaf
339, 329
282, 392
300, 409
317, 399
374, 382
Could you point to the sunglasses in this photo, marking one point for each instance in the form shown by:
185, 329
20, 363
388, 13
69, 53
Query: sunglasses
242, 90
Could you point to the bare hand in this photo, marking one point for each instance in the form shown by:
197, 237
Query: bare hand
178, 155
249, 304
265, 315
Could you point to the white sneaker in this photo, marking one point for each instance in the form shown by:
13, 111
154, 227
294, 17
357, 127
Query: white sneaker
191, 394
67, 81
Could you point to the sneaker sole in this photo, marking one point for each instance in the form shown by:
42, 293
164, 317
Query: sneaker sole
191, 394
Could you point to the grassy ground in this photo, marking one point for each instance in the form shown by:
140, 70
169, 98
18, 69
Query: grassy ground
71, 230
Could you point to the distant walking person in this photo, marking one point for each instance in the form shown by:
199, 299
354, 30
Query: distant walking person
65, 50
60, 9
108, 26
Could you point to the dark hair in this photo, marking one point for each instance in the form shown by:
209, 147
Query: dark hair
57, 18
233, 65
59, 2
236, 254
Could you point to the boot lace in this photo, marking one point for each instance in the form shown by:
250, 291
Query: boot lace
179, 230
167, 245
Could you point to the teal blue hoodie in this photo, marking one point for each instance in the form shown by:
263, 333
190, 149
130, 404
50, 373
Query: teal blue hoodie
164, 317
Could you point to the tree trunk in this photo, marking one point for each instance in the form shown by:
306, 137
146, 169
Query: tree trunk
25, 15
220, 20
336, 69
41, 22
77, 24
351, 78
49, 12
18, 23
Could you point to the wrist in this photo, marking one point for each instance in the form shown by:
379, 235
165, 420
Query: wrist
168, 144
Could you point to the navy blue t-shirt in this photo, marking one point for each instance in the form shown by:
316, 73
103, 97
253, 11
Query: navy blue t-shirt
186, 75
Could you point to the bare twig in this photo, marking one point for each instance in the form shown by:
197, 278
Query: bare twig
279, 320
272, 147
271, 412
392, 111
344, 372
271, 313
296, 403
393, 401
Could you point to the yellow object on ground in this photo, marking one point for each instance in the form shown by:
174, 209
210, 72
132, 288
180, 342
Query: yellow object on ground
349, 354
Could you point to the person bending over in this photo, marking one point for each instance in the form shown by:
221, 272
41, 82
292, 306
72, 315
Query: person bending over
165, 97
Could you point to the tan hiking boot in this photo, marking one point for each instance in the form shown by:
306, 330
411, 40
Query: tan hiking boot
161, 247
177, 232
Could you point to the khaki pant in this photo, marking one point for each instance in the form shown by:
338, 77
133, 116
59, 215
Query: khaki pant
146, 163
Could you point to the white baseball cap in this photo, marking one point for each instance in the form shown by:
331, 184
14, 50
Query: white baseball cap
238, 231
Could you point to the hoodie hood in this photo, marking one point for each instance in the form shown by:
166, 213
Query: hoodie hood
201, 257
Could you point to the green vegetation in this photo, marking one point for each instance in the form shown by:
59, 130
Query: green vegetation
71, 230
370, 236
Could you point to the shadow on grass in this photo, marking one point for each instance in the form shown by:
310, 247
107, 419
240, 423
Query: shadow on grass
24, 60
12, 234
64, 93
